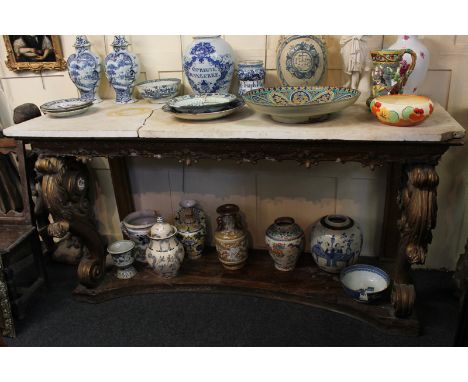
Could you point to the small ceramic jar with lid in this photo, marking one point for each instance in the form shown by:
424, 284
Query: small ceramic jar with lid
190, 222
251, 75
164, 253
285, 241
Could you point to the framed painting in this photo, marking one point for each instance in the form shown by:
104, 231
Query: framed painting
34, 53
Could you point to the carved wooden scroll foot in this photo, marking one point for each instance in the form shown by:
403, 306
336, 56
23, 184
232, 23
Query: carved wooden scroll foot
418, 205
64, 193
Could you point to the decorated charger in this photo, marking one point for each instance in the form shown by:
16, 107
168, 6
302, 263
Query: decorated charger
159, 91
66, 107
202, 103
364, 283
402, 109
300, 104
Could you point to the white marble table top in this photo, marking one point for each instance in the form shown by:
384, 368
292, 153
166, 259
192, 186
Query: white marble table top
144, 120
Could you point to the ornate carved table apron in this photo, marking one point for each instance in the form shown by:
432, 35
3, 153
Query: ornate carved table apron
118, 131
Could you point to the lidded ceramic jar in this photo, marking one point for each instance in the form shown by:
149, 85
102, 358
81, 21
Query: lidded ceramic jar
230, 237
251, 75
190, 222
122, 68
164, 253
121, 252
136, 227
336, 242
84, 68
285, 241
209, 64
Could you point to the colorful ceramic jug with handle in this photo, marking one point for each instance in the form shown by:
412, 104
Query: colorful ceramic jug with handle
390, 72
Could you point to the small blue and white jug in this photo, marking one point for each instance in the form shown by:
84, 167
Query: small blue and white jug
251, 75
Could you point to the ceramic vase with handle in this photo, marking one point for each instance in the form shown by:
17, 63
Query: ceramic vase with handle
390, 72
422, 63
84, 68
190, 222
285, 241
122, 68
230, 237
164, 253
335, 242
209, 64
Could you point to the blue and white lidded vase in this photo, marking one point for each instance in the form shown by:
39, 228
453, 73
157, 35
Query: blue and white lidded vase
251, 75
336, 242
285, 241
209, 64
84, 68
122, 68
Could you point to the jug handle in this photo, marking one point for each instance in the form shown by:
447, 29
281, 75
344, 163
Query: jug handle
410, 69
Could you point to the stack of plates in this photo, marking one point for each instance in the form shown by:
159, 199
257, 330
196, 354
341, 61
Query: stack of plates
65, 107
203, 107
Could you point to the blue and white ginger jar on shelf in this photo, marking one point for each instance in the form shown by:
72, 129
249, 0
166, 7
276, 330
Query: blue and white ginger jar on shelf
251, 75
122, 68
336, 242
209, 65
84, 68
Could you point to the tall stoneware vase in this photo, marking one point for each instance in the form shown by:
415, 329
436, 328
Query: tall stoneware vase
417, 77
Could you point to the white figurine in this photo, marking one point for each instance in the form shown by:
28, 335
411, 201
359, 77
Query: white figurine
356, 59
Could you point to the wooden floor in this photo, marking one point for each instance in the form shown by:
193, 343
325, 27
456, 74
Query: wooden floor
307, 285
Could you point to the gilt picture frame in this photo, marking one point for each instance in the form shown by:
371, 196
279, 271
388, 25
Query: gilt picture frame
34, 53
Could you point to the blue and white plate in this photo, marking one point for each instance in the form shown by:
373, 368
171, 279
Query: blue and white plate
66, 104
364, 283
202, 103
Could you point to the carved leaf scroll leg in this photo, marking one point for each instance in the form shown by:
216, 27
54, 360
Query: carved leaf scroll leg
418, 204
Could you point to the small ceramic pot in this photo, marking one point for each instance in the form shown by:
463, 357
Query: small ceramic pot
336, 242
364, 283
285, 241
164, 253
191, 228
251, 75
121, 252
136, 227
230, 237
402, 109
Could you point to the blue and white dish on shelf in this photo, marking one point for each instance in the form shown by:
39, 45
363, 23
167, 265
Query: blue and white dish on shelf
251, 74
301, 60
122, 68
84, 68
202, 103
236, 106
364, 283
300, 104
209, 64
159, 91
66, 107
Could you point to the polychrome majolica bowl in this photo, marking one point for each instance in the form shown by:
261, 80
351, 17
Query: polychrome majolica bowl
402, 109
290, 104
159, 91
364, 283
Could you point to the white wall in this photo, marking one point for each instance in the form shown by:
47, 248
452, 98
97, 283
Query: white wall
266, 190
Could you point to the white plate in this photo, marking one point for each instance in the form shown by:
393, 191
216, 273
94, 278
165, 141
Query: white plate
202, 116
64, 114
66, 104
201, 102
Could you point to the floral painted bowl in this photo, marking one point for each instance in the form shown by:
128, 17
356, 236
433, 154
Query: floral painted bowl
299, 104
364, 283
159, 91
402, 109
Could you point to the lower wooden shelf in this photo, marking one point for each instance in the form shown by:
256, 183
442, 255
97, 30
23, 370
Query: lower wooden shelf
307, 285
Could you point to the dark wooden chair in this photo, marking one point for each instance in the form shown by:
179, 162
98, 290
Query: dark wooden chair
21, 255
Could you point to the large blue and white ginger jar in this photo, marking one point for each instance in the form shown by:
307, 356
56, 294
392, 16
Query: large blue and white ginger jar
209, 65
84, 68
336, 242
122, 68
251, 75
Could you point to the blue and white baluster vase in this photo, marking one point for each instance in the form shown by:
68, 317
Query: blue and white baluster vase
209, 65
84, 68
122, 68
251, 75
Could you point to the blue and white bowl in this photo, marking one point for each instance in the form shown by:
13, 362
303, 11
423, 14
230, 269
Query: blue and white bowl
159, 91
364, 283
